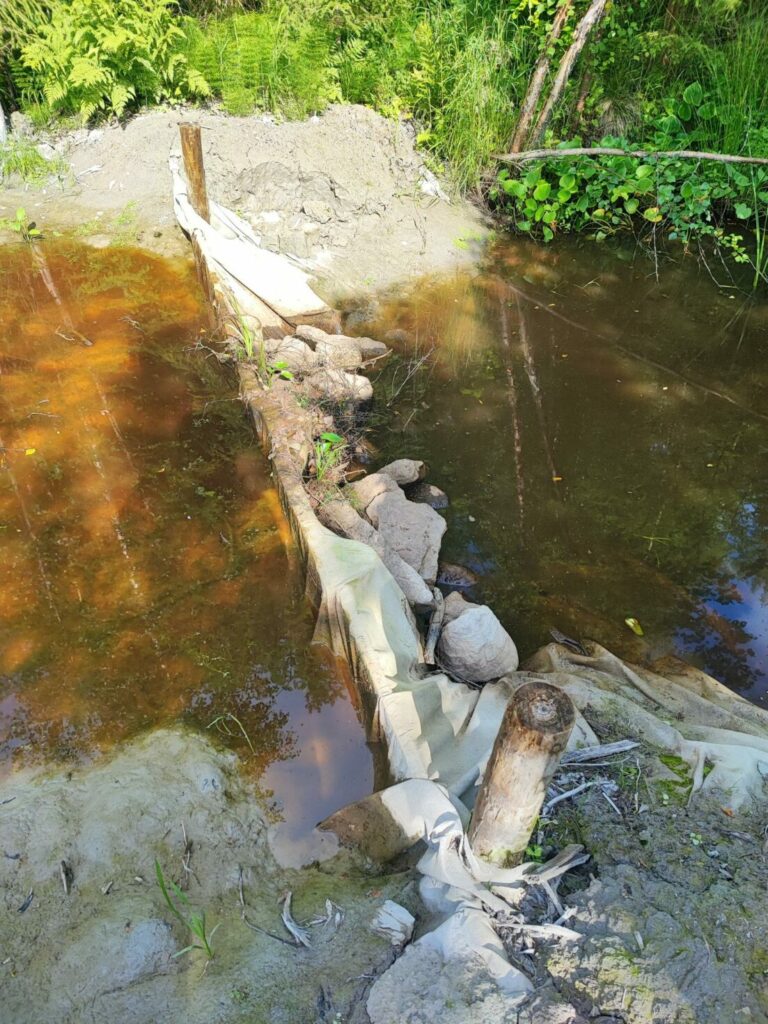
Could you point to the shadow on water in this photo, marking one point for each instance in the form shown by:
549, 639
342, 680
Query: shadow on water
147, 571
603, 436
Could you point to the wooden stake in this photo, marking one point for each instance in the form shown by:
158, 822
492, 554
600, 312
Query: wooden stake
534, 733
192, 152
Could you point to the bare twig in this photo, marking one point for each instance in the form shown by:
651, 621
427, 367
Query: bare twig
581, 33
536, 84
673, 154
435, 624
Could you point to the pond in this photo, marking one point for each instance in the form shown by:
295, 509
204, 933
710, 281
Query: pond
600, 424
148, 574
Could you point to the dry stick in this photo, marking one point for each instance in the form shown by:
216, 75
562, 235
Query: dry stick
581, 34
534, 733
536, 84
192, 153
673, 154
435, 623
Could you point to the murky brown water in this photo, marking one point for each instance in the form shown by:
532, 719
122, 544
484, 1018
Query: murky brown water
147, 571
603, 437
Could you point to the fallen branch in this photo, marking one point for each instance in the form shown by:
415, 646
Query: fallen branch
532, 96
581, 34
673, 154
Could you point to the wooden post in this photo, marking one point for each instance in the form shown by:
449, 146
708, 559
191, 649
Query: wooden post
534, 733
192, 152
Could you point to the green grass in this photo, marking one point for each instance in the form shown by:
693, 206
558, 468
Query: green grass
21, 162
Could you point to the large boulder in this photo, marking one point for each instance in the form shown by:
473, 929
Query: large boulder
415, 532
475, 647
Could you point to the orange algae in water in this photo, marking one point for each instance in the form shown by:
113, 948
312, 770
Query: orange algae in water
145, 576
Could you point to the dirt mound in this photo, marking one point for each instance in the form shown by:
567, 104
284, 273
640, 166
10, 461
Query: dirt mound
345, 193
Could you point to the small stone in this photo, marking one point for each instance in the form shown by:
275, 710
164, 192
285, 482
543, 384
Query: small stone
405, 471
476, 647
339, 386
297, 356
455, 605
450, 575
427, 494
312, 335
339, 352
371, 487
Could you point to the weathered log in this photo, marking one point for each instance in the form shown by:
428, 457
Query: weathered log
674, 154
534, 733
192, 154
581, 33
540, 72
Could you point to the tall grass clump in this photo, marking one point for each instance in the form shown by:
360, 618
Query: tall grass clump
736, 81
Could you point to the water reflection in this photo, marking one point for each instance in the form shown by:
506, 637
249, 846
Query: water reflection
147, 574
603, 436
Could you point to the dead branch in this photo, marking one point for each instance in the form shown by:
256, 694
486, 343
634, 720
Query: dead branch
536, 84
672, 154
581, 33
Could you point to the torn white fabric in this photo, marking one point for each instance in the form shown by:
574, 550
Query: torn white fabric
233, 249
394, 923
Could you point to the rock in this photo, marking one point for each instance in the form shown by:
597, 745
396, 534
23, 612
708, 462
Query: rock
413, 531
455, 605
450, 575
371, 349
46, 151
340, 517
339, 352
312, 335
427, 494
405, 471
340, 387
371, 487
21, 125
318, 210
424, 986
476, 647
296, 354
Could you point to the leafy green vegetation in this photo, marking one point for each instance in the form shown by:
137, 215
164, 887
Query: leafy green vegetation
87, 56
20, 159
329, 451
21, 224
651, 75
195, 922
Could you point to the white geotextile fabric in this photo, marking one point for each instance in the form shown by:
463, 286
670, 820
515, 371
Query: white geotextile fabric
233, 250
684, 712
434, 728
455, 885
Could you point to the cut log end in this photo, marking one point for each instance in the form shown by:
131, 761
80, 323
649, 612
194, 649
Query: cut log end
533, 734
544, 708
